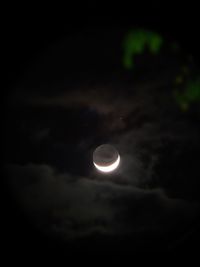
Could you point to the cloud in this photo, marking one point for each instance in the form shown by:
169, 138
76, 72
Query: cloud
74, 207
119, 104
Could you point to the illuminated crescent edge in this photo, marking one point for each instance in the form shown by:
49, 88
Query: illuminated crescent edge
109, 168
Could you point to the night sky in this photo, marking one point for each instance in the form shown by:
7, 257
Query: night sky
68, 93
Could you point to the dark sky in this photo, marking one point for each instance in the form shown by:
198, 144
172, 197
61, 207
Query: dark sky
67, 93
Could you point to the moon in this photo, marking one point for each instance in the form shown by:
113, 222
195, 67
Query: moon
106, 158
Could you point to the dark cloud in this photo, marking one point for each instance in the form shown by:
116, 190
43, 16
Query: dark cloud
74, 207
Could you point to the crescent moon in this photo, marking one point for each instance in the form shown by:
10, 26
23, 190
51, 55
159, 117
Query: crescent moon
109, 168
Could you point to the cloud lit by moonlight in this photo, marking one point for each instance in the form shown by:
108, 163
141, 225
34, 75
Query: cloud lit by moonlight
106, 158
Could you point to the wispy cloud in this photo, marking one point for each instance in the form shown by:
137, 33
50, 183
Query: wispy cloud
78, 206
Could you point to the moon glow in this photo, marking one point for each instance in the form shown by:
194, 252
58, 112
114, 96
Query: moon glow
106, 158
